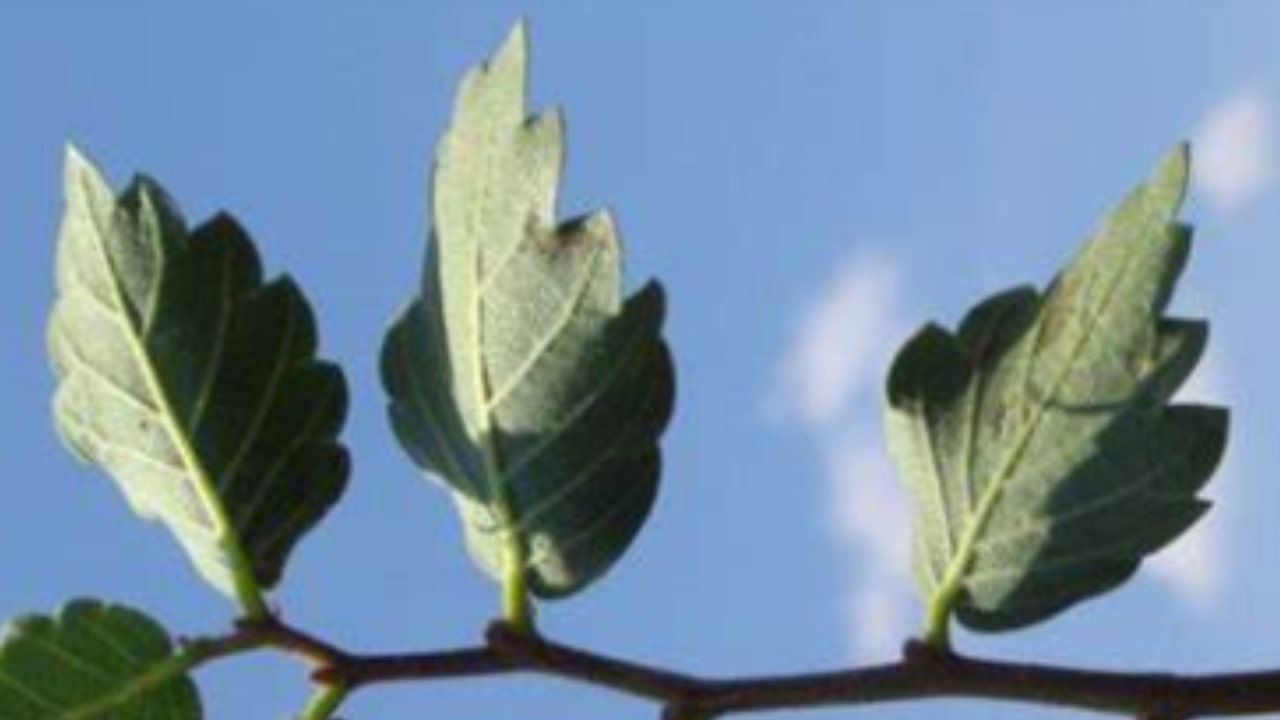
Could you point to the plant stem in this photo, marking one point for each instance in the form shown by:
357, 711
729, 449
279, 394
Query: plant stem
924, 672
324, 703
198, 651
937, 624
516, 610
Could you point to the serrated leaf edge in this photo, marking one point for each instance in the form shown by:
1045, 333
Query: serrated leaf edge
180, 661
941, 604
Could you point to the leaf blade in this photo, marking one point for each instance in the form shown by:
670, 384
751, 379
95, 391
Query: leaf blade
519, 342
94, 660
1045, 403
158, 338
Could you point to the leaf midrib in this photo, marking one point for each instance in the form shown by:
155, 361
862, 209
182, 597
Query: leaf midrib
154, 677
151, 678
513, 550
954, 577
245, 585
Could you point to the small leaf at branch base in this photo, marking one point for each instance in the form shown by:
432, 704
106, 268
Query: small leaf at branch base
1039, 441
192, 382
93, 661
520, 375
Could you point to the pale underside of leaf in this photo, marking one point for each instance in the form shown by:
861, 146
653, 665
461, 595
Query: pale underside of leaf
92, 662
192, 382
519, 376
1038, 440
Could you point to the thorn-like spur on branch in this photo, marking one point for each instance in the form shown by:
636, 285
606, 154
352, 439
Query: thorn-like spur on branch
924, 672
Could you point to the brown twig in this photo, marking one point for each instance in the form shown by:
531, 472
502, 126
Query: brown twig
922, 673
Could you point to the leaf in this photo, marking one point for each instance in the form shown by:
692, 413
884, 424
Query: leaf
193, 383
1039, 442
519, 376
94, 660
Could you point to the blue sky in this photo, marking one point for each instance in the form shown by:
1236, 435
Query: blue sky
810, 180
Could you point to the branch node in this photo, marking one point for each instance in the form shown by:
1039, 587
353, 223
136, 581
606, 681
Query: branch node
509, 642
252, 624
920, 653
328, 675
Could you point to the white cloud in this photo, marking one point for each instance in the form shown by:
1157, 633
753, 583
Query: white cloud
1192, 568
879, 621
1234, 151
830, 380
1195, 566
869, 506
870, 512
841, 342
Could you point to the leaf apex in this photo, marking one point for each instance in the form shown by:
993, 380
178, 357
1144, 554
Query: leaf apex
1173, 173
225, 226
601, 222
519, 32
71, 152
73, 155
917, 359
514, 51
78, 167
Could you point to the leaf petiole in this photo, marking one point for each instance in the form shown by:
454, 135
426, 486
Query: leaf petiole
937, 624
516, 607
324, 703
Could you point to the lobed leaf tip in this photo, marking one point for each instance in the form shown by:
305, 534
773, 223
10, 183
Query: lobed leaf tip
73, 155
1174, 170
222, 223
514, 51
78, 167
518, 36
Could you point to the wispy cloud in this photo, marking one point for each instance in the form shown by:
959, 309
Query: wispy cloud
841, 341
830, 380
868, 506
871, 516
1196, 568
879, 619
1234, 151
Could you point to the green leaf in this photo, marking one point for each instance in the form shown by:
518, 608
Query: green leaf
94, 660
193, 383
1039, 442
519, 375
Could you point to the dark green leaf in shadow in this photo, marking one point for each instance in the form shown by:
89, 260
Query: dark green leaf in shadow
94, 661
